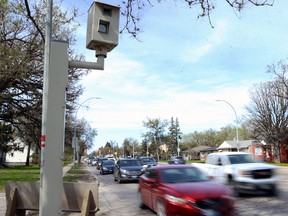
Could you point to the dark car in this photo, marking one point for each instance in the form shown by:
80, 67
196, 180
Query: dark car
176, 160
184, 190
107, 166
148, 161
99, 162
127, 169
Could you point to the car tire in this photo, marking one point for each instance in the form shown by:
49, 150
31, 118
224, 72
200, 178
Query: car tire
232, 185
160, 208
273, 191
101, 172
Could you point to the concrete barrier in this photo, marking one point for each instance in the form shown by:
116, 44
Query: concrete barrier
76, 197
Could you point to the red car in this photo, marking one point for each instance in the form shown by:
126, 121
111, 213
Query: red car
179, 190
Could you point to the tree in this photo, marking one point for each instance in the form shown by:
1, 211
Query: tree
6, 133
22, 26
174, 136
86, 136
131, 147
132, 10
268, 114
156, 132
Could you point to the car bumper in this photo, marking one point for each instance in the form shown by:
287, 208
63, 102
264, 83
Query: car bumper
188, 210
256, 185
107, 171
125, 177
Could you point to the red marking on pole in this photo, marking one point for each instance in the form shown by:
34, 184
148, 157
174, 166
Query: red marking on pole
43, 139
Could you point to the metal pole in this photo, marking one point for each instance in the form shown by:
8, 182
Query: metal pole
237, 135
48, 33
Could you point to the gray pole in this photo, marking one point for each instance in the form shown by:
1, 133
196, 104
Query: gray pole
48, 33
51, 189
237, 135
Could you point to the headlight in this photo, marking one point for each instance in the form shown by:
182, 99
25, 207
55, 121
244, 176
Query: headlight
245, 172
105, 168
176, 200
123, 171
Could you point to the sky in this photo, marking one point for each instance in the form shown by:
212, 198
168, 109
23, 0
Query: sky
179, 67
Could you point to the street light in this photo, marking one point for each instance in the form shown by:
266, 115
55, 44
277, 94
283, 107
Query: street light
75, 140
237, 136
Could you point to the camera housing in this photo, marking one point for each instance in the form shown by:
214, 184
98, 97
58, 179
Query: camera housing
102, 27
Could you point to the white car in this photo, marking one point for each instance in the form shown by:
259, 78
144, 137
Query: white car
239, 170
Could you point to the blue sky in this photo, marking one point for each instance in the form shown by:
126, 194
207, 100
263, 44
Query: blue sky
181, 67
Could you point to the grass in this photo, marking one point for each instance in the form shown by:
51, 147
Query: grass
31, 173
19, 173
77, 173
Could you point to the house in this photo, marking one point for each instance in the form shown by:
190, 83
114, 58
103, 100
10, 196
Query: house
18, 152
197, 152
255, 148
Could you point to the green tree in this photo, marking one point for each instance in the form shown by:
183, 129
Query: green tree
156, 132
174, 135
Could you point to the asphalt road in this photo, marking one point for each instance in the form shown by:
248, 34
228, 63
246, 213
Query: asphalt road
122, 199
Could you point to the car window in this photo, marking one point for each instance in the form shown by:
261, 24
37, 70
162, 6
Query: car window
108, 162
241, 158
180, 175
151, 173
130, 163
148, 160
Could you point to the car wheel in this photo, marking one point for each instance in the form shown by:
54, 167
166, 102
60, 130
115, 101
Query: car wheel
273, 191
141, 204
161, 211
232, 185
119, 179
101, 172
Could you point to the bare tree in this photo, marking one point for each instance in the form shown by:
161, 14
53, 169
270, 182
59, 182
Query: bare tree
132, 10
268, 114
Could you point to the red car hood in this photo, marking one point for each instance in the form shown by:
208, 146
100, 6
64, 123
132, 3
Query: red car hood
198, 190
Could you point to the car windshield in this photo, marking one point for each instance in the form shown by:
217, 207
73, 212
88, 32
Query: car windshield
145, 160
130, 163
108, 162
177, 158
180, 175
241, 158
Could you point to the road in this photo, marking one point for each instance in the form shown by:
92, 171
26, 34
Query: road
122, 199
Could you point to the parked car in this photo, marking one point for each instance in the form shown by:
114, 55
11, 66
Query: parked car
127, 169
107, 166
183, 190
99, 162
94, 161
176, 160
148, 161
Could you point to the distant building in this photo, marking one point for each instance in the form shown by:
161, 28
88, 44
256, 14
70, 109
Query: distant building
18, 154
198, 153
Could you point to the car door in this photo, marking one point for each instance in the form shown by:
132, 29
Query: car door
147, 185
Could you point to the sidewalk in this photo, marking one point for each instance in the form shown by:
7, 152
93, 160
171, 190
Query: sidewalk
3, 195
